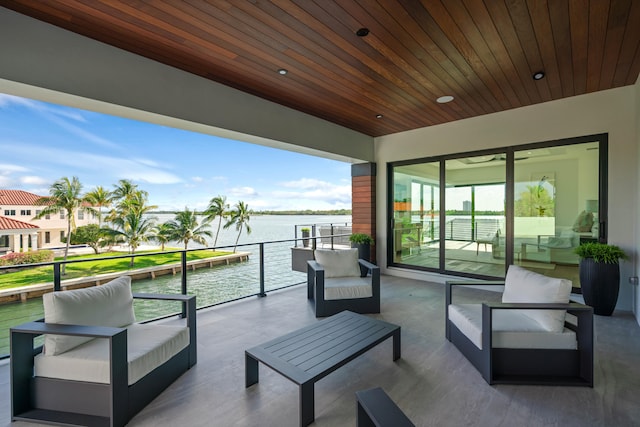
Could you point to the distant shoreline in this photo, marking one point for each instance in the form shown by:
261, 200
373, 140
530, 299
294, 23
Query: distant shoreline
305, 212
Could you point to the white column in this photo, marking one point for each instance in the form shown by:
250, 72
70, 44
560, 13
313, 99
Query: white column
34, 241
15, 247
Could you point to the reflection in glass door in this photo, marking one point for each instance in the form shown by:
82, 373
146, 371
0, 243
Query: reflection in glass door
556, 200
416, 208
475, 216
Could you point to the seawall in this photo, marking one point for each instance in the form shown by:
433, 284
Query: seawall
24, 293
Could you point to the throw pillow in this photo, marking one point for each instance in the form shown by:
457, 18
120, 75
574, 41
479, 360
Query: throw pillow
338, 263
108, 305
524, 286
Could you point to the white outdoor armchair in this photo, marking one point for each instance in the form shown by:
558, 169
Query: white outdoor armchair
97, 366
534, 336
337, 280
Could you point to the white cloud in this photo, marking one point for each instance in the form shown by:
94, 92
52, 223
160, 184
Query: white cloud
32, 180
149, 176
197, 179
5, 182
81, 133
109, 166
310, 189
243, 192
40, 107
62, 117
8, 100
5, 168
149, 162
307, 183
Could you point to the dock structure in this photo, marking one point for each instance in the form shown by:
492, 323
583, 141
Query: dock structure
23, 293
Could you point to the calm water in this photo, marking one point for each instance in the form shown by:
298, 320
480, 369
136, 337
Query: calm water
211, 286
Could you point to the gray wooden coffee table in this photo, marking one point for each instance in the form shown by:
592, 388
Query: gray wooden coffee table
311, 353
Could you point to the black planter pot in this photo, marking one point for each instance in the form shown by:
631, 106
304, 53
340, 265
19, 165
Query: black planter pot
364, 250
600, 283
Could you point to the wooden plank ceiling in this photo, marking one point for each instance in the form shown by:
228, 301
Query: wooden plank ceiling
483, 53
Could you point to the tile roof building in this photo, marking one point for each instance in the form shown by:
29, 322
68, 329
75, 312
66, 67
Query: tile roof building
19, 231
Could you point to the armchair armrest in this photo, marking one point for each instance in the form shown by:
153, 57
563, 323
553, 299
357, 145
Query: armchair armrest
449, 288
188, 312
39, 328
23, 353
367, 267
315, 266
584, 314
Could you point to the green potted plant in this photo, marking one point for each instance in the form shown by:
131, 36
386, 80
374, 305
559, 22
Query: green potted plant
305, 236
363, 242
600, 275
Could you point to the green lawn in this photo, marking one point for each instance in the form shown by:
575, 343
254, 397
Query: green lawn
32, 276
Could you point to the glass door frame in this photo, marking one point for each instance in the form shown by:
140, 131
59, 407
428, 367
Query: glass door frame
601, 139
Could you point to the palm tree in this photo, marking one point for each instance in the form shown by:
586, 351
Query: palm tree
125, 189
98, 197
162, 234
126, 195
134, 227
64, 195
536, 201
185, 227
239, 217
217, 208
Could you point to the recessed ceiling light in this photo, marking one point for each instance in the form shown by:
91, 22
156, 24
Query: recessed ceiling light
362, 32
282, 71
538, 75
379, 116
444, 99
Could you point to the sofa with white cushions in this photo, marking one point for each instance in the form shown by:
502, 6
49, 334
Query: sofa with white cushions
337, 280
101, 367
537, 335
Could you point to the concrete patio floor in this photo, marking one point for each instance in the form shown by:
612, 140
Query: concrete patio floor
432, 382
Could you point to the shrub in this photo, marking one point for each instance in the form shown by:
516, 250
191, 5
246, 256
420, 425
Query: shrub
31, 257
361, 238
601, 252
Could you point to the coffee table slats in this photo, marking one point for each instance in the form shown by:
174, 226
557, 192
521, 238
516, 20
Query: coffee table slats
325, 342
326, 362
311, 333
338, 343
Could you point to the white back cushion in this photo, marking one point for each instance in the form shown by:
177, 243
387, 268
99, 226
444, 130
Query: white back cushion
108, 305
525, 286
338, 263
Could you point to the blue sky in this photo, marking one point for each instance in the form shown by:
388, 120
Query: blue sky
42, 142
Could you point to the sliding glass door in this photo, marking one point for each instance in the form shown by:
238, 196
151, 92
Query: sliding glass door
474, 215
416, 209
556, 206
530, 206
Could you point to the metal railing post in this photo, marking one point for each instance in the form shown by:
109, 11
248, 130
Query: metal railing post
57, 277
332, 236
183, 285
262, 292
